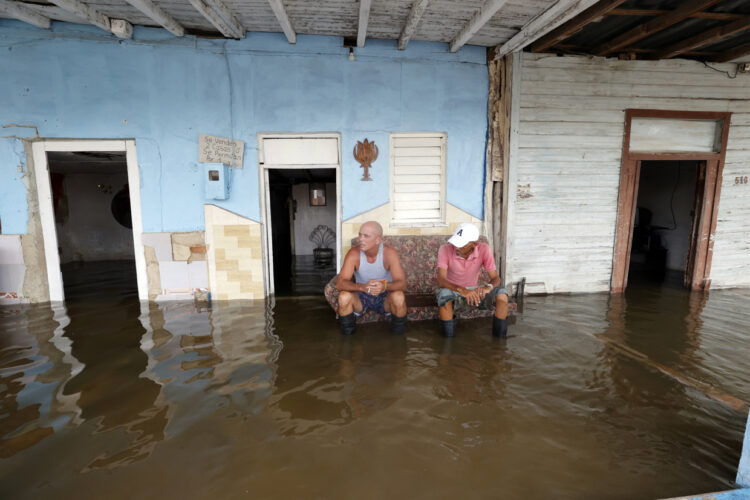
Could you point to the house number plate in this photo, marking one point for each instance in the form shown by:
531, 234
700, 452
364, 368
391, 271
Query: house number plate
740, 180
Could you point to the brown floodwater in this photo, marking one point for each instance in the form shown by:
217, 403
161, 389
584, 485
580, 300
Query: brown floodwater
594, 396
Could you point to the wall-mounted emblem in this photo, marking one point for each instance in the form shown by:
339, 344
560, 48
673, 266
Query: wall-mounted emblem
365, 153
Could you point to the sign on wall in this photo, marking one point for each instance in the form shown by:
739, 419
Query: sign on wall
213, 149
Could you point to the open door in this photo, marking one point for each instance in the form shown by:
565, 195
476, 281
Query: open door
664, 136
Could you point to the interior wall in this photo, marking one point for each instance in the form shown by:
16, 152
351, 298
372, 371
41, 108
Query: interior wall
86, 229
308, 217
659, 179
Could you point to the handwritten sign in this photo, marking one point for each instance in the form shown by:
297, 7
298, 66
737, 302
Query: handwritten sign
213, 149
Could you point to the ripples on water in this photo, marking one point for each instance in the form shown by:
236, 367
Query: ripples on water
109, 398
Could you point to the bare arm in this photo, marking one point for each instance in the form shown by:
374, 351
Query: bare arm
393, 264
345, 282
472, 296
494, 278
443, 282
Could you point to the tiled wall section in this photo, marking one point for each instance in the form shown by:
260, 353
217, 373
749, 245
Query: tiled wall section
453, 217
12, 269
235, 257
175, 265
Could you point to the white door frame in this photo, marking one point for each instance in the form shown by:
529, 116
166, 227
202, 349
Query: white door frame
47, 214
265, 207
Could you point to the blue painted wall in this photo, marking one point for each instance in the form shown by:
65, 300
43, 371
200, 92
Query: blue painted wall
77, 82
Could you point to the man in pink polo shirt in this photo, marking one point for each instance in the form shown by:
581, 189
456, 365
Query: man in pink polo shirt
459, 263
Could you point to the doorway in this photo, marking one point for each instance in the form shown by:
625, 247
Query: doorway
91, 206
661, 145
666, 212
300, 185
90, 211
303, 217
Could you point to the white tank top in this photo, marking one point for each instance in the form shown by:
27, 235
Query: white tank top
374, 271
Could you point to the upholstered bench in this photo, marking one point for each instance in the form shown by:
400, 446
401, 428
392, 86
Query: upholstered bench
419, 260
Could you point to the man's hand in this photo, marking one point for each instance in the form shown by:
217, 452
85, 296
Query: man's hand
375, 287
472, 296
484, 290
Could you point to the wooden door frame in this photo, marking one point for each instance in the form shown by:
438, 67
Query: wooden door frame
628, 195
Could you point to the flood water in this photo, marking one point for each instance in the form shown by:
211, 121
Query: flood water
593, 396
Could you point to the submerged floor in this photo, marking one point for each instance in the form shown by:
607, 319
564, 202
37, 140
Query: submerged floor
593, 397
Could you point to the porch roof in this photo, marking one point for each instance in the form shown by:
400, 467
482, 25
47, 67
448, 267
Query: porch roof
708, 30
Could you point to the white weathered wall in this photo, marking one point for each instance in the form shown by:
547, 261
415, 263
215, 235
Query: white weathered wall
569, 137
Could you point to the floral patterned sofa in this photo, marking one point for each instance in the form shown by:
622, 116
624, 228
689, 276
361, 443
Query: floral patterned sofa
419, 260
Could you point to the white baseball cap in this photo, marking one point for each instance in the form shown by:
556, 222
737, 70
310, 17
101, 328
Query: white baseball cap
465, 234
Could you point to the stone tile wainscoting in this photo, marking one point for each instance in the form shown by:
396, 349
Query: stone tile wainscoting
176, 265
235, 255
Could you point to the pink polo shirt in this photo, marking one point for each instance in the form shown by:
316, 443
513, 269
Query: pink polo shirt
465, 272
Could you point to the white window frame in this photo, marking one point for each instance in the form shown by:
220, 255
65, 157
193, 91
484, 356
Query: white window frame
440, 221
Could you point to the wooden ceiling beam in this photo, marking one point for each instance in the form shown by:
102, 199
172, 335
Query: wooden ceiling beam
159, 15
86, 12
561, 12
121, 28
286, 25
364, 17
718, 16
730, 55
575, 25
578, 49
218, 15
19, 11
415, 15
705, 38
227, 16
655, 25
478, 20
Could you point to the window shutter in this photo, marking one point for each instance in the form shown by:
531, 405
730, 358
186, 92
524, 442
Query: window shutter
418, 177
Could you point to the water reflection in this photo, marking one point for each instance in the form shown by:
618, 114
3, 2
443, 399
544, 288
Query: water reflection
351, 378
467, 376
123, 399
106, 340
32, 371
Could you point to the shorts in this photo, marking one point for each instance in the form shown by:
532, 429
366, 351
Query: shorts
444, 295
372, 303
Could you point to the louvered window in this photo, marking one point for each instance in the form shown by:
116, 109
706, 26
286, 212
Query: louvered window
418, 177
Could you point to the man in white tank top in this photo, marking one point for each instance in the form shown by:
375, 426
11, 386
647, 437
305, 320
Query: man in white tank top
371, 278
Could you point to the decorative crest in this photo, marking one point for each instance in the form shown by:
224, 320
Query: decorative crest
365, 153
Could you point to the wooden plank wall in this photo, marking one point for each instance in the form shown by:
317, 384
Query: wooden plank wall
570, 141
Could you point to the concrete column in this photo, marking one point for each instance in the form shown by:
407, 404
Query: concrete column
743, 472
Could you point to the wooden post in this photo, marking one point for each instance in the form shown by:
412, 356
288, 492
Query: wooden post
498, 152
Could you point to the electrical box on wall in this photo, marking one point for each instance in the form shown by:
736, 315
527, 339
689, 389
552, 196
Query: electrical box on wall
216, 178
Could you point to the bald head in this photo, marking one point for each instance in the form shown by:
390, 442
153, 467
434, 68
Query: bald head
373, 227
370, 235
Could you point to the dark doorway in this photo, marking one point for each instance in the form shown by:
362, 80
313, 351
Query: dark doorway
301, 201
665, 221
91, 203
